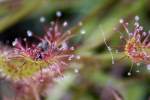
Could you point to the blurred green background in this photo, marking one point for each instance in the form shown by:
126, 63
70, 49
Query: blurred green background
93, 77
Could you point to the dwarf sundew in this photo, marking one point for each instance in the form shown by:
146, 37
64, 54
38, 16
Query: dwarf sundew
137, 46
26, 60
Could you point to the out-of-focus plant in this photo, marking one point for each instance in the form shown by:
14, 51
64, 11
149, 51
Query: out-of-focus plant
137, 46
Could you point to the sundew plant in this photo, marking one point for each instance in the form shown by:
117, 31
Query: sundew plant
74, 50
137, 43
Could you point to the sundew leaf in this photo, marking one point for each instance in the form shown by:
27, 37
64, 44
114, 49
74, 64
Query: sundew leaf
11, 18
108, 24
21, 67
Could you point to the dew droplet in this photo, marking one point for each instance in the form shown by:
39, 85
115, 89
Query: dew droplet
42, 19
15, 42
58, 14
72, 48
29, 33
129, 73
127, 23
83, 31
24, 39
144, 33
137, 18
140, 28
78, 57
121, 21
136, 24
76, 70
109, 48
65, 23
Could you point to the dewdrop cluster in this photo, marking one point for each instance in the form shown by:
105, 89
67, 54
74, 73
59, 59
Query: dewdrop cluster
137, 46
50, 54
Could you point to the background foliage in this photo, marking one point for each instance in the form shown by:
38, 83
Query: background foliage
97, 78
